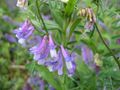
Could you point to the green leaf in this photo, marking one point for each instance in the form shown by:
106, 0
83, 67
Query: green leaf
57, 17
70, 7
77, 32
90, 43
86, 76
49, 77
71, 42
56, 13
74, 25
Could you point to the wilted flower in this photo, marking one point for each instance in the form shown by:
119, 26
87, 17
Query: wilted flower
98, 62
56, 64
89, 14
24, 32
22, 3
41, 51
52, 47
69, 60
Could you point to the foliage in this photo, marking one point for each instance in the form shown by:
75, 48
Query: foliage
67, 28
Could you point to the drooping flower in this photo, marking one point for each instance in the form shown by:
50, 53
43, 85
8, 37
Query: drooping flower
41, 51
56, 64
90, 16
88, 13
52, 46
89, 26
24, 32
69, 60
22, 3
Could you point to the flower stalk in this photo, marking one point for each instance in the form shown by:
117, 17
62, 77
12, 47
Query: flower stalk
40, 17
116, 60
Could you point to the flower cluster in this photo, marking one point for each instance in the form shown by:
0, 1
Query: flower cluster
45, 52
89, 14
24, 32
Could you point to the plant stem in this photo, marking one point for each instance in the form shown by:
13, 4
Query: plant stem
40, 16
116, 60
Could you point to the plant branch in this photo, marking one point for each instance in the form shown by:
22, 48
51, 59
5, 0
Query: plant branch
40, 16
116, 60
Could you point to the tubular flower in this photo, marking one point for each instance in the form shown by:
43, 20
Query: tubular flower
22, 3
41, 51
10, 38
87, 55
33, 40
56, 64
52, 47
69, 60
24, 32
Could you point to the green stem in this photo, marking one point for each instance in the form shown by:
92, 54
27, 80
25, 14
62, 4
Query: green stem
116, 60
64, 37
40, 16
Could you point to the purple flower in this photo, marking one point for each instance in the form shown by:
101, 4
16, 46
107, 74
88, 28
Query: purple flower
27, 87
46, 17
52, 47
118, 41
69, 60
24, 32
37, 81
10, 38
87, 55
89, 26
56, 64
33, 40
41, 51
51, 88
65, 54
